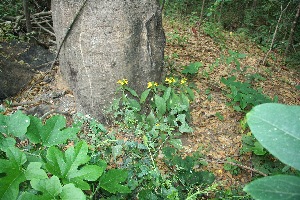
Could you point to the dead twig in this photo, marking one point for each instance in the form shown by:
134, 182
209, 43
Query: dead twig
238, 165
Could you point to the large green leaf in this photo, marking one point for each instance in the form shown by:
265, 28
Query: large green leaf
275, 188
49, 187
34, 171
13, 173
144, 95
160, 104
15, 124
65, 165
111, 180
277, 128
52, 133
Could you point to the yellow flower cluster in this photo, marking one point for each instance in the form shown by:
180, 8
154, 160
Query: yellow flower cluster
170, 80
123, 82
183, 81
152, 84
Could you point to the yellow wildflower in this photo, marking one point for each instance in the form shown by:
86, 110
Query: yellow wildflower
170, 80
150, 84
183, 81
123, 82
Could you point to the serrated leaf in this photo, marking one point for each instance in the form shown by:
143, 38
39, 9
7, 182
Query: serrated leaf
144, 95
65, 165
275, 188
111, 180
13, 173
34, 171
52, 133
49, 187
70, 192
15, 124
276, 127
160, 104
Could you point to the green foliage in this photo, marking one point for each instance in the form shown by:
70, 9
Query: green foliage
229, 166
280, 136
192, 68
234, 58
176, 39
157, 118
243, 96
185, 175
25, 170
284, 139
214, 30
169, 107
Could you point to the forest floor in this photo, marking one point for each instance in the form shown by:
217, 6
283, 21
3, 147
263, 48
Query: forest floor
217, 130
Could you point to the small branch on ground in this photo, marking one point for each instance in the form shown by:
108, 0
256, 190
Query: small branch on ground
238, 165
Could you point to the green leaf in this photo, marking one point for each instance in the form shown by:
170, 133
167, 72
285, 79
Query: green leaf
184, 127
241, 55
70, 192
49, 187
15, 124
191, 94
134, 104
150, 119
144, 95
34, 171
258, 149
167, 93
111, 180
65, 165
160, 104
176, 143
6, 143
116, 151
13, 173
132, 92
52, 133
276, 127
192, 68
275, 188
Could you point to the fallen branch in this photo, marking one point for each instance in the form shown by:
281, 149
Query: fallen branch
43, 28
238, 165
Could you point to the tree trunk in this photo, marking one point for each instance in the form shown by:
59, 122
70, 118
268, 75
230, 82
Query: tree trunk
27, 16
110, 40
